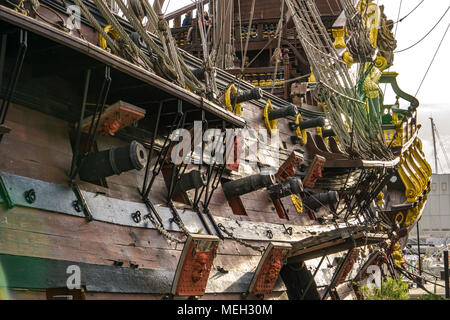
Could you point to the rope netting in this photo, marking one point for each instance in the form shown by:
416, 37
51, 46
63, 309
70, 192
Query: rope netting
358, 130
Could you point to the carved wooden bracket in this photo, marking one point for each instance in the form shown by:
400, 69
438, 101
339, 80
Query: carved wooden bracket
287, 170
269, 268
195, 264
314, 172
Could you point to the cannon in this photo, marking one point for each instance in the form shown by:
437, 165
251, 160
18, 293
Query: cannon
317, 201
246, 185
328, 133
307, 124
289, 111
199, 73
285, 189
114, 161
252, 94
189, 181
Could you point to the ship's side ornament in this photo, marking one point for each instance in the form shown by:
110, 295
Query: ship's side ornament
269, 267
194, 266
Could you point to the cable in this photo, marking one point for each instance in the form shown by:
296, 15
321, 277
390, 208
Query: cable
398, 16
434, 57
424, 37
442, 147
401, 20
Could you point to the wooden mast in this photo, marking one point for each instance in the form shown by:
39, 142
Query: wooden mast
223, 22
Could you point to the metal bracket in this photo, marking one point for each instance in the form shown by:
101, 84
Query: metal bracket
5, 195
81, 201
11, 88
95, 122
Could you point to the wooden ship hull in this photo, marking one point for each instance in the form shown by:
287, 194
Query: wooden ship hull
92, 206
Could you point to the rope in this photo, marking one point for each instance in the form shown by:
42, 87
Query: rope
432, 60
96, 25
280, 29
401, 20
426, 35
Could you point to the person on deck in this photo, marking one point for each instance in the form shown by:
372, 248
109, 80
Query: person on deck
187, 20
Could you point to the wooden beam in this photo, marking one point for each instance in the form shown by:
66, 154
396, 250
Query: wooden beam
335, 246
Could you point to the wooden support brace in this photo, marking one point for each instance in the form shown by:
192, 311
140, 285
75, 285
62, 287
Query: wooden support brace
269, 268
194, 266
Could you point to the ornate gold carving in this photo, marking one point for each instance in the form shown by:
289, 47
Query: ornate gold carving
386, 40
370, 85
339, 41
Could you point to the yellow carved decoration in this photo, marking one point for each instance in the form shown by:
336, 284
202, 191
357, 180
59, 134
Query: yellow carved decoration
271, 125
412, 187
339, 41
348, 58
109, 30
399, 133
228, 103
415, 173
398, 255
420, 177
370, 85
420, 168
399, 218
323, 106
312, 77
298, 204
319, 131
371, 18
420, 157
380, 199
381, 63
301, 133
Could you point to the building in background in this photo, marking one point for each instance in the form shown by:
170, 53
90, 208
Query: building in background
435, 222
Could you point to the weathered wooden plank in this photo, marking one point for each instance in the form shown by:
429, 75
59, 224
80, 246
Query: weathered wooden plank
37, 273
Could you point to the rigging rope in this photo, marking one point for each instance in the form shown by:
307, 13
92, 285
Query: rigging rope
426, 35
432, 60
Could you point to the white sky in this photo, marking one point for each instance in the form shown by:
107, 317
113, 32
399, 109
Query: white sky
412, 64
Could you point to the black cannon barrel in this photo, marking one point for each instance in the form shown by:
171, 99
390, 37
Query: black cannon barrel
307, 124
96, 166
253, 94
328, 133
189, 181
199, 73
290, 111
285, 189
136, 38
319, 200
246, 185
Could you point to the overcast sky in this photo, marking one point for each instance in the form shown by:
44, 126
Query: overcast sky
412, 64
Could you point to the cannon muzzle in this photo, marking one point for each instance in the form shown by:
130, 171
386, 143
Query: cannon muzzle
253, 94
290, 111
319, 200
189, 181
114, 161
328, 133
199, 73
313, 123
246, 185
285, 189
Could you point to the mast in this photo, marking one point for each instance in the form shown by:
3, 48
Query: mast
433, 130
223, 21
